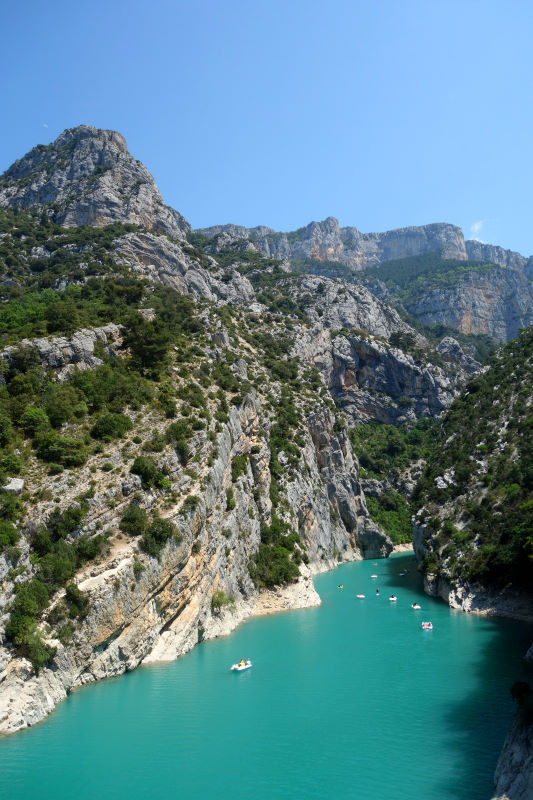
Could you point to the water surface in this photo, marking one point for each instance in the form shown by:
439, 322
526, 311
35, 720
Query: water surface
351, 699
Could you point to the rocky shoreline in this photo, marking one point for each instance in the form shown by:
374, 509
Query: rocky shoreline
33, 698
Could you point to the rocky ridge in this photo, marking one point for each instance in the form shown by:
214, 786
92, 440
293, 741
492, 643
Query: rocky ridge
327, 241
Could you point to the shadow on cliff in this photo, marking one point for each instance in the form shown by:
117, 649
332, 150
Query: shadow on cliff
480, 727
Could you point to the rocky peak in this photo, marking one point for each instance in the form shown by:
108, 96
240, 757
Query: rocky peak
88, 177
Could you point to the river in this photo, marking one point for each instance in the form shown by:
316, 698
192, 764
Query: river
352, 699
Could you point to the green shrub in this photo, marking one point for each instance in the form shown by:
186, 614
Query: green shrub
9, 535
138, 568
220, 599
61, 524
156, 536
61, 403
190, 503
230, 500
66, 633
77, 601
64, 450
238, 467
111, 426
34, 420
272, 566
151, 477
134, 520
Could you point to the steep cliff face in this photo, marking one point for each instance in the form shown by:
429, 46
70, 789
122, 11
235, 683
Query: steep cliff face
514, 774
327, 241
368, 378
497, 302
492, 254
88, 177
488, 301
147, 608
161, 260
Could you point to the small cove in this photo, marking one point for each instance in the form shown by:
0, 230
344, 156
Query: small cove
351, 698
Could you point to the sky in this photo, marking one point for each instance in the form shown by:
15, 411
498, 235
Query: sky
382, 113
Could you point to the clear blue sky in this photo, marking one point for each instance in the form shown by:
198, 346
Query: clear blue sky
383, 113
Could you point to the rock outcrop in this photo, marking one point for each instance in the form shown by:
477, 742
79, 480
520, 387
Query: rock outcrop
88, 177
492, 254
161, 260
337, 305
497, 302
451, 351
327, 241
63, 352
513, 779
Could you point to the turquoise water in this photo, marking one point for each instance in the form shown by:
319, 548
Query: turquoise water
349, 700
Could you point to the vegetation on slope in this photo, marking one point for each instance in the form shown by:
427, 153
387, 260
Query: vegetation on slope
161, 378
386, 453
476, 494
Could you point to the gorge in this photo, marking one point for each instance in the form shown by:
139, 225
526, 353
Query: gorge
179, 410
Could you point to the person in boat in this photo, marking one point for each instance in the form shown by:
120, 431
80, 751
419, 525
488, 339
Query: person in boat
377, 591
242, 663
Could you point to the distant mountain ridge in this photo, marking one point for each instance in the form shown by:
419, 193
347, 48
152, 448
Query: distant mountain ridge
326, 240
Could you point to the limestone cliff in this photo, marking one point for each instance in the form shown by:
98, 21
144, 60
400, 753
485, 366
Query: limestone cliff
144, 608
88, 177
327, 241
489, 301
497, 302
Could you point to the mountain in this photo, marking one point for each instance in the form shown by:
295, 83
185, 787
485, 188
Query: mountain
172, 458
469, 286
183, 415
88, 177
471, 297
327, 241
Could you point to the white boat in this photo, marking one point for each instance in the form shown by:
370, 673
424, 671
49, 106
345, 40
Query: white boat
393, 598
241, 665
361, 596
416, 606
373, 576
427, 626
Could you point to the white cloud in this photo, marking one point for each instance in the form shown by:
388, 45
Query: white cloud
45, 125
475, 229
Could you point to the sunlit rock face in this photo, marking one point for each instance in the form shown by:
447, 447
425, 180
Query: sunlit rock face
88, 177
